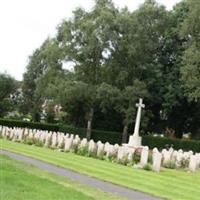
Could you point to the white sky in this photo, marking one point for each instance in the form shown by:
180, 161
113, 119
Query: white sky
25, 24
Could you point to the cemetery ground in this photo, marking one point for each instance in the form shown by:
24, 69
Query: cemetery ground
25, 181
170, 184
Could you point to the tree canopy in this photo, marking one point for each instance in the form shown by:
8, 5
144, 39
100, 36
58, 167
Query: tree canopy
117, 57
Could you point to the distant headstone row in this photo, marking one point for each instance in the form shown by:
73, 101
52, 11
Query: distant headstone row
137, 157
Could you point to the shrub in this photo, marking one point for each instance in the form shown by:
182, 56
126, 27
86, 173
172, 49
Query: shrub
38, 143
136, 157
147, 167
169, 164
83, 151
74, 148
184, 163
150, 159
124, 161
28, 141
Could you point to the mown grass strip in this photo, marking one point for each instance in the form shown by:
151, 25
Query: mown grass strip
172, 184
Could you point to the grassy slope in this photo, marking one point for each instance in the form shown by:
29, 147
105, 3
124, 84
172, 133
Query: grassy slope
171, 184
22, 181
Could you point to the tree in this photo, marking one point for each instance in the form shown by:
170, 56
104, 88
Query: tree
8, 86
48, 56
190, 61
190, 70
123, 102
85, 41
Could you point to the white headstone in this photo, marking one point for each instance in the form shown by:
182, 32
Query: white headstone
54, 140
84, 142
166, 155
48, 139
157, 157
68, 144
100, 149
122, 153
92, 148
110, 151
193, 163
144, 156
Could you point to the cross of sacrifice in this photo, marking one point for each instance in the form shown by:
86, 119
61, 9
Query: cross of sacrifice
140, 105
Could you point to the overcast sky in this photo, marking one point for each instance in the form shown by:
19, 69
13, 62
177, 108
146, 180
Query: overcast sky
25, 24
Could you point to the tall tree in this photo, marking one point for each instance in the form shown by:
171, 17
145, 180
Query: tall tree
191, 63
7, 87
190, 71
123, 101
85, 40
48, 56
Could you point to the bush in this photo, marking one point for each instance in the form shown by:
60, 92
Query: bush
38, 143
169, 164
28, 141
147, 167
124, 161
150, 159
185, 163
83, 151
136, 157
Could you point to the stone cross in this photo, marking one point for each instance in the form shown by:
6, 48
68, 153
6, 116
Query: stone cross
140, 105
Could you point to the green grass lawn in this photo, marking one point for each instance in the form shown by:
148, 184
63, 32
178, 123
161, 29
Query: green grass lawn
26, 182
171, 184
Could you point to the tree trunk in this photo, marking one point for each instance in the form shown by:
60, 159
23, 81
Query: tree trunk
125, 134
89, 124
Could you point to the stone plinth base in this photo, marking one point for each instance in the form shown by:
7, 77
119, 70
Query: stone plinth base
135, 141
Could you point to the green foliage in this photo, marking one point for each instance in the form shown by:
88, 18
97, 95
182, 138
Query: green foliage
108, 136
72, 130
42, 62
38, 143
171, 164
150, 159
28, 141
185, 163
136, 157
7, 88
31, 125
83, 151
147, 167
161, 142
124, 160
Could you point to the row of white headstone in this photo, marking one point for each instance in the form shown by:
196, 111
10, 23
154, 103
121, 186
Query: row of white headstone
68, 142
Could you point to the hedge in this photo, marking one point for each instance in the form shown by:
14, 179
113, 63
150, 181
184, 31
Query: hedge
32, 125
161, 142
72, 130
104, 136
107, 136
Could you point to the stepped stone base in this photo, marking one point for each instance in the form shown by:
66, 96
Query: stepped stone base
135, 141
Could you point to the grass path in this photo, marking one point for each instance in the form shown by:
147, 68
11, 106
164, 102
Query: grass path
171, 184
19, 180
